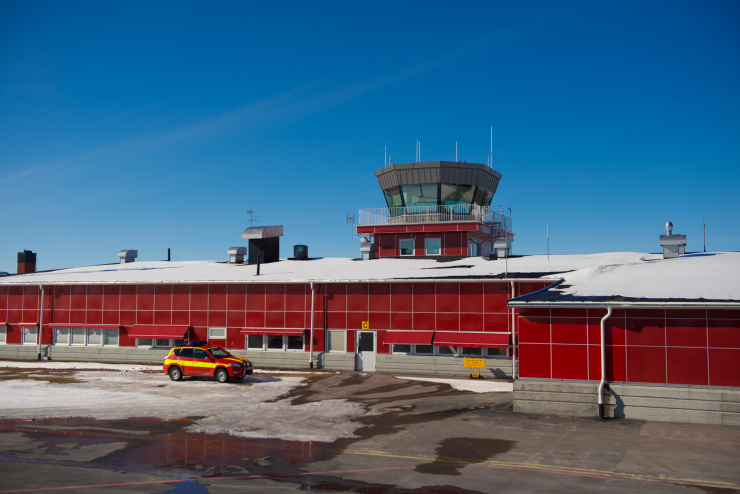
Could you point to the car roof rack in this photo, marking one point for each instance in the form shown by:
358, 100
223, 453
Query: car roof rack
196, 343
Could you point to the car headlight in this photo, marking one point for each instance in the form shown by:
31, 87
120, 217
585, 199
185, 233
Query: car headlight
235, 364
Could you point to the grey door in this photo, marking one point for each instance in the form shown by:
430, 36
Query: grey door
365, 351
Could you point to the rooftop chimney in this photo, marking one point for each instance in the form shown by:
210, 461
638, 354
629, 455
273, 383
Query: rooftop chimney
673, 245
236, 254
369, 250
26, 262
128, 256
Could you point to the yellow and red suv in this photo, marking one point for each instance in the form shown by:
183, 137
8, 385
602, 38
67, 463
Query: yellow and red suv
201, 359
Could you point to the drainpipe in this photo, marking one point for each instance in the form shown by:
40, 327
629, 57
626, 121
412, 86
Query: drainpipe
41, 318
313, 300
513, 335
603, 363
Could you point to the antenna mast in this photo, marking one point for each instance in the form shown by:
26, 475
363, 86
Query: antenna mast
491, 157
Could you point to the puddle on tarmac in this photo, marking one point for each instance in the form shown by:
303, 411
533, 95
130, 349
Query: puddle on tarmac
453, 453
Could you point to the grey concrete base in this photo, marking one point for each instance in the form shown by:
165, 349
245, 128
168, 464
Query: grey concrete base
123, 355
645, 402
448, 366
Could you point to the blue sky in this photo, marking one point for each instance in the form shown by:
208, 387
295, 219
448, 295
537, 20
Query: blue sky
159, 124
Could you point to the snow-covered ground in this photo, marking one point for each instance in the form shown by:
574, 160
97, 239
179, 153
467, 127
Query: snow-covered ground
476, 386
239, 409
51, 364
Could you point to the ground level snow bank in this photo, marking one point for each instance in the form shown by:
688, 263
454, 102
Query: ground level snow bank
478, 386
251, 408
48, 364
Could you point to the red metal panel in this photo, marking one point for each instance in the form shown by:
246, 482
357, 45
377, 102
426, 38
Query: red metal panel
234, 338
534, 360
615, 363
111, 297
128, 297
471, 297
3, 297
30, 315
355, 319
390, 229
408, 337
401, 297
569, 330
199, 318
495, 322
318, 319
77, 316
467, 226
380, 297
569, 362
534, 329
31, 297
423, 321
686, 332
724, 367
94, 297
271, 330
724, 333
414, 228
471, 322
423, 299
162, 317
569, 313
448, 321
525, 288
141, 331
15, 298
365, 230
646, 313
216, 297
474, 340
386, 245
648, 332
337, 297
145, 317
15, 316
198, 297
379, 320
686, 314
255, 319
614, 333
401, 320
180, 318
453, 245
297, 320
723, 314
357, 297
336, 320
297, 297
275, 297
61, 298
236, 297
533, 312
234, 318
181, 297
448, 297
94, 317
255, 297
110, 317
350, 341
144, 297
495, 298
12, 334
198, 333
127, 318
687, 366
162, 297
78, 297
273, 319
441, 228
599, 313
646, 364
383, 348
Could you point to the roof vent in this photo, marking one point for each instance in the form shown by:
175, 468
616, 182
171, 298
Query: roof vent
128, 256
236, 254
673, 245
369, 250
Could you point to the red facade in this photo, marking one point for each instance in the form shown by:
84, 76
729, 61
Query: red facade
696, 347
454, 237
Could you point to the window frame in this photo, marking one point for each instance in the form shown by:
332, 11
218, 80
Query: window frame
211, 337
4, 332
173, 342
283, 348
328, 339
86, 333
458, 352
426, 249
24, 329
413, 248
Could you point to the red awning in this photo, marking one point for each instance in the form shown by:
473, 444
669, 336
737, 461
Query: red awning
474, 340
273, 331
175, 332
87, 326
408, 337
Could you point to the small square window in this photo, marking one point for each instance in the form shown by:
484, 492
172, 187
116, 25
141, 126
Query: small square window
146, 342
432, 246
162, 342
274, 342
406, 247
61, 336
295, 342
402, 349
472, 351
110, 337
497, 352
78, 336
255, 341
29, 335
2, 334
216, 333
337, 340
445, 350
424, 350
94, 336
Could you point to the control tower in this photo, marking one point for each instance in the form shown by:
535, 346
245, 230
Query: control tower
437, 208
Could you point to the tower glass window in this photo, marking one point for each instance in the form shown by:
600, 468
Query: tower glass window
456, 198
432, 246
406, 246
420, 197
393, 198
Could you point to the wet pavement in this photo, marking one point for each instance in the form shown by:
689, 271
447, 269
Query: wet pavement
423, 437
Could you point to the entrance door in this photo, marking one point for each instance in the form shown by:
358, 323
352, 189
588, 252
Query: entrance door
365, 351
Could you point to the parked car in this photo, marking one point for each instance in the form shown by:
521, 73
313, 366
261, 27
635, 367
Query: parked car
201, 359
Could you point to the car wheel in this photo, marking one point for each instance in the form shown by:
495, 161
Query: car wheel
222, 376
175, 373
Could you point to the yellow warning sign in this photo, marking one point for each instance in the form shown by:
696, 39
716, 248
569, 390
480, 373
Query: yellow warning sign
366, 325
474, 363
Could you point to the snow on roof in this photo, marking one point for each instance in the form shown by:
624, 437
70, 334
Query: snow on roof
630, 274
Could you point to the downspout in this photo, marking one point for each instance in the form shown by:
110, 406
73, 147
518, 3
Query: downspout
603, 363
513, 335
41, 318
313, 300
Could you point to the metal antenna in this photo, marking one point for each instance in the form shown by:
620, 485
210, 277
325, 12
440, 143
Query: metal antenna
491, 160
455, 151
385, 157
548, 243
704, 226
251, 219
351, 222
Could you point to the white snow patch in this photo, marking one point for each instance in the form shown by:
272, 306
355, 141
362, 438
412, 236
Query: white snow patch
248, 411
477, 386
47, 364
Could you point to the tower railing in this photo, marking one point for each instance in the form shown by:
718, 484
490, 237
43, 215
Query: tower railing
450, 213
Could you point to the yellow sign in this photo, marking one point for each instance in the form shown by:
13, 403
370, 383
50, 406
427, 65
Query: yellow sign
474, 363
366, 325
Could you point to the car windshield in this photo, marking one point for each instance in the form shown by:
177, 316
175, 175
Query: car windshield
219, 352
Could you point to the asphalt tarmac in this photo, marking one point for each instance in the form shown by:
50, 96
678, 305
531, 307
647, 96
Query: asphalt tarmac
430, 439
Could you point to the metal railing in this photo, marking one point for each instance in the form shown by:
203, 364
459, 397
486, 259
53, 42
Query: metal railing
453, 213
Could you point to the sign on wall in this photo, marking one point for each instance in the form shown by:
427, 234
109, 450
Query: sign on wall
365, 324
